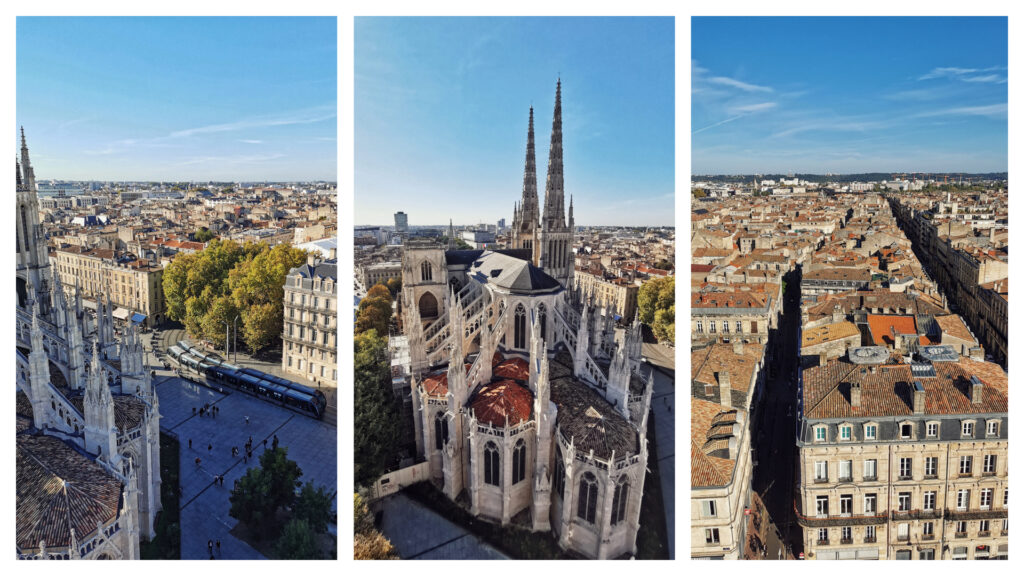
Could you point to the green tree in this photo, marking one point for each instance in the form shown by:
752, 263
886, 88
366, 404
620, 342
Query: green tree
664, 327
298, 542
395, 286
656, 302
252, 504
221, 312
369, 543
376, 417
313, 505
204, 235
284, 475
261, 324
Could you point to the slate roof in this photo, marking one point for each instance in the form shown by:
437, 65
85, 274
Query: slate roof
511, 273
325, 269
586, 417
58, 489
128, 411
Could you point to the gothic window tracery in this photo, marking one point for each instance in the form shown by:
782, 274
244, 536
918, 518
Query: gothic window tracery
619, 500
440, 430
519, 462
519, 336
492, 465
587, 506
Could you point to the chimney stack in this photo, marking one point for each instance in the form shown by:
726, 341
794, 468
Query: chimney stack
312, 258
976, 388
822, 358
918, 397
855, 394
725, 389
737, 346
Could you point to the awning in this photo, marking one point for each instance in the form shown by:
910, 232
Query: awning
121, 313
138, 318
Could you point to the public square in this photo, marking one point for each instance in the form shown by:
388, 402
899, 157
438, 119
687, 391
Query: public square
204, 507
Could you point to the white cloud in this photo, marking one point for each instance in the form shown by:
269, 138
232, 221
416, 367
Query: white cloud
755, 107
990, 111
746, 87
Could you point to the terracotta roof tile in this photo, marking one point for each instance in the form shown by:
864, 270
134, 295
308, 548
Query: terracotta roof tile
503, 401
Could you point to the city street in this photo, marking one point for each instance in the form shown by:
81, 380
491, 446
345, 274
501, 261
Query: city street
418, 532
204, 507
775, 440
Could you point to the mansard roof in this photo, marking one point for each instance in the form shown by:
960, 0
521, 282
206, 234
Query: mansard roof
511, 273
60, 489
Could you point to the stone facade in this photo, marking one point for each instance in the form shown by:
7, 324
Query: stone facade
310, 338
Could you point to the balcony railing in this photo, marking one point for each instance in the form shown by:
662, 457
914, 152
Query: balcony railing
870, 539
846, 478
846, 540
821, 480
871, 478
915, 514
984, 534
960, 535
928, 536
905, 477
822, 542
967, 514
834, 520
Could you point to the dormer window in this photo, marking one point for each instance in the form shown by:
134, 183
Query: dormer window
845, 432
820, 434
932, 429
967, 429
871, 431
906, 430
992, 428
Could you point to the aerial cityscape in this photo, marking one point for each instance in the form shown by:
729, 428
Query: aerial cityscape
514, 373
176, 292
849, 288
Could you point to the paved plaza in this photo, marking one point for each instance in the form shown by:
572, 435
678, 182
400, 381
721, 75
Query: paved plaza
204, 507
663, 405
419, 533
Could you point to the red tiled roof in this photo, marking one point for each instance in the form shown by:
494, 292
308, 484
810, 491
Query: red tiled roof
882, 327
436, 384
503, 401
513, 368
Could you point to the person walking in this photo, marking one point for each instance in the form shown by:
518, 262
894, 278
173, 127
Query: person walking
209, 448
189, 443
209, 546
218, 546
246, 420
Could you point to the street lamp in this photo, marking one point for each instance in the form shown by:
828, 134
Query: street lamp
235, 344
227, 338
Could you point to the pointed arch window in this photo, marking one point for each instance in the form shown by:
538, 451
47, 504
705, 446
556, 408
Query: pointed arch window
426, 272
542, 317
587, 506
559, 474
492, 465
520, 327
619, 500
519, 462
440, 430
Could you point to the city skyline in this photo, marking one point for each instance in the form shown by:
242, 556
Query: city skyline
849, 95
180, 98
442, 106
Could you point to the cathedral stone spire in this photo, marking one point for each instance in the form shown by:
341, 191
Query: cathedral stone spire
554, 192
530, 203
26, 165
39, 376
100, 426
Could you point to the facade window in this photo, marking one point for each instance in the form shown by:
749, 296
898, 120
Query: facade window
440, 431
822, 535
821, 505
519, 462
963, 499
906, 431
845, 432
903, 500
931, 465
847, 534
846, 504
983, 526
739, 327
929, 500
992, 428
870, 469
932, 429
903, 531
619, 500
711, 535
927, 553
906, 467
870, 431
870, 503
845, 470
989, 466
426, 272
587, 506
492, 465
821, 471
1006, 497
967, 429
711, 326
869, 534
820, 434
709, 508
928, 528
966, 465
986, 498
725, 326
700, 327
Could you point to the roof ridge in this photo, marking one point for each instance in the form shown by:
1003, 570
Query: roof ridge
835, 387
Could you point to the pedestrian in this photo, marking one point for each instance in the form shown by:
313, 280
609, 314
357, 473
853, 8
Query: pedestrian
275, 442
209, 448
218, 546
246, 420
209, 546
264, 443
198, 461
193, 410
245, 459
189, 443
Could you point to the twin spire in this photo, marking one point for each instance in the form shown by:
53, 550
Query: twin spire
554, 192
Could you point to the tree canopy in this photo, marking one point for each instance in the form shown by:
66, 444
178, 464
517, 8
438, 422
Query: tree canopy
370, 544
298, 542
657, 304
226, 279
376, 416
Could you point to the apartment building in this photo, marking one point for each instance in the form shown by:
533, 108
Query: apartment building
134, 285
903, 460
617, 294
748, 316
310, 338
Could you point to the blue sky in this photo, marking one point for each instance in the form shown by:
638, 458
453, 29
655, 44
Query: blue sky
847, 95
442, 106
179, 98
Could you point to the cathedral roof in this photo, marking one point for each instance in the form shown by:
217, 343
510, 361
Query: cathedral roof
128, 411
23, 408
513, 368
586, 417
60, 489
503, 401
513, 274
436, 384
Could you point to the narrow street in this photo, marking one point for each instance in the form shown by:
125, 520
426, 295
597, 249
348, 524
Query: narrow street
775, 445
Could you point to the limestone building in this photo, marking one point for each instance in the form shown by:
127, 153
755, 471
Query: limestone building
88, 417
616, 294
133, 285
310, 338
903, 460
527, 407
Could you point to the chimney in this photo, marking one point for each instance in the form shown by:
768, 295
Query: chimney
725, 388
992, 235
737, 346
822, 358
313, 258
733, 447
976, 388
855, 394
918, 397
